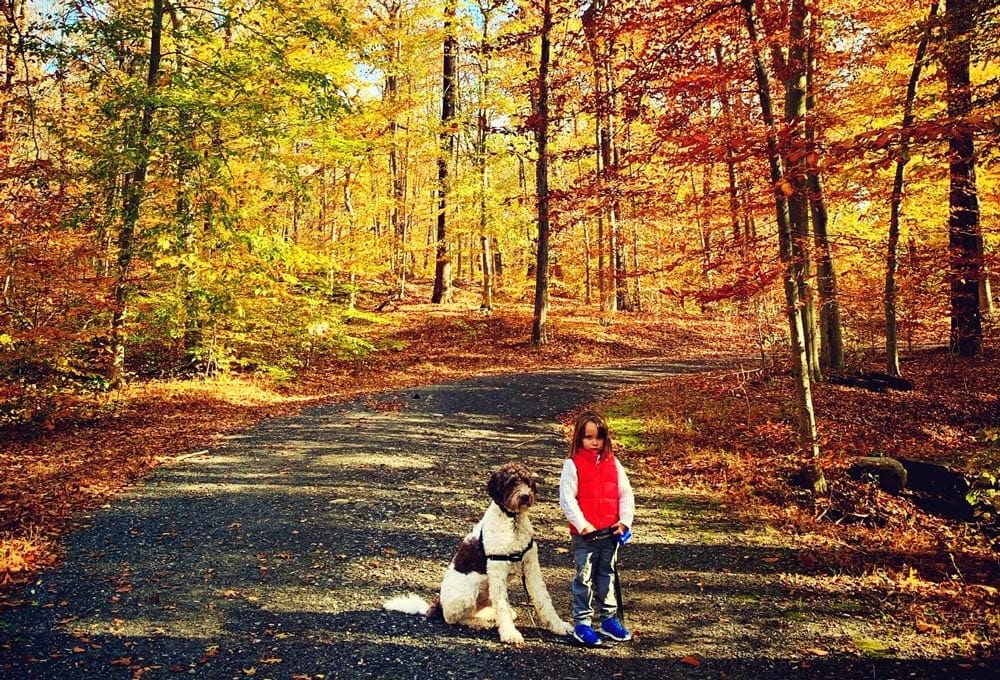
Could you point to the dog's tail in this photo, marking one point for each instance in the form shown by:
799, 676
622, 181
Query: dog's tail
411, 603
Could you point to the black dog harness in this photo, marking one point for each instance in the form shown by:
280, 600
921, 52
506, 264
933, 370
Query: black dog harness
512, 557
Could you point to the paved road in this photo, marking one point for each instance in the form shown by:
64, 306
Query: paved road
270, 557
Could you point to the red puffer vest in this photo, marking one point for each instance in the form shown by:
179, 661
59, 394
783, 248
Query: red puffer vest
597, 491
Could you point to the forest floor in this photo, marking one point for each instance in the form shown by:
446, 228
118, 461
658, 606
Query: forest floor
723, 435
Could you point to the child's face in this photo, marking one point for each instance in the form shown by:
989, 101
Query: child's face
592, 440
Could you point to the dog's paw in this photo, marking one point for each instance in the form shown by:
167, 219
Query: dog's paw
512, 637
562, 628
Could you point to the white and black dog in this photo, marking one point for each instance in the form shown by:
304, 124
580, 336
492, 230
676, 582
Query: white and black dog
474, 588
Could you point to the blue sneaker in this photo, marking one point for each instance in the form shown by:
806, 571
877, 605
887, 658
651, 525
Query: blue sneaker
585, 635
611, 628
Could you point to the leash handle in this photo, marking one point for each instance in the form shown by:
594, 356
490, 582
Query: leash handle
608, 533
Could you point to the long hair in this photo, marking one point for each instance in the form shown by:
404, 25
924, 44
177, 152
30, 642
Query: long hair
581, 425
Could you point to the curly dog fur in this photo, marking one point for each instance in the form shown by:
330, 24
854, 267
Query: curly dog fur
474, 588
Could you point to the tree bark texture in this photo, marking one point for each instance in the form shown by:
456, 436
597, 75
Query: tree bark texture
132, 195
539, 329
793, 271
831, 336
449, 98
896, 204
964, 238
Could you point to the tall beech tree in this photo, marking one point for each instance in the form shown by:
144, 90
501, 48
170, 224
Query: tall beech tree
449, 96
964, 237
539, 326
12, 46
599, 32
896, 198
831, 337
133, 192
484, 113
789, 177
393, 77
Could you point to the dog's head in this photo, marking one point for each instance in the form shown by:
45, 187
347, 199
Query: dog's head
513, 487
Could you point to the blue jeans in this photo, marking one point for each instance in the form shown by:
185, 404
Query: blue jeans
592, 586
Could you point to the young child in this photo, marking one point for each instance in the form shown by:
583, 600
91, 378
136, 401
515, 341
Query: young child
596, 495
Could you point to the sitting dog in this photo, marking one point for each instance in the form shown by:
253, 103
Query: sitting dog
474, 588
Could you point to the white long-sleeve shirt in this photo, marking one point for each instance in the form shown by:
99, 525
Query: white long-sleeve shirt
569, 486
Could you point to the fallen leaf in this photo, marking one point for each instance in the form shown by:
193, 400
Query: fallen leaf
988, 590
816, 651
691, 660
122, 661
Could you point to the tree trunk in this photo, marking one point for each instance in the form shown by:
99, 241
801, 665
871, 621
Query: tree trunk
13, 46
449, 97
610, 275
731, 170
193, 335
987, 309
397, 217
482, 133
636, 271
806, 419
132, 196
831, 338
587, 275
794, 182
796, 170
895, 206
964, 236
539, 329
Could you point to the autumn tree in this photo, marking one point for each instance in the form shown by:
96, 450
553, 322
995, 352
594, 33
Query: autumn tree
789, 176
449, 96
964, 237
539, 328
600, 45
395, 77
896, 200
483, 128
289, 163
831, 337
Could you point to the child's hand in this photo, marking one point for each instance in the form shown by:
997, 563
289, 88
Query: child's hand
620, 529
587, 529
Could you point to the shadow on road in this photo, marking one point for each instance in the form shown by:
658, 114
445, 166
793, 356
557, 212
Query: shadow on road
270, 556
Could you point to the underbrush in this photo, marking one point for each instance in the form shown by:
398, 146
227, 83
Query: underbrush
86, 446
732, 433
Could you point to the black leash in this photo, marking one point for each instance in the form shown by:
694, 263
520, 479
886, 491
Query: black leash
622, 540
618, 590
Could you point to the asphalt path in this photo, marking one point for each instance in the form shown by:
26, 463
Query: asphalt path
270, 556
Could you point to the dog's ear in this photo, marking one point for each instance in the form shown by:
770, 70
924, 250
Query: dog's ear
495, 486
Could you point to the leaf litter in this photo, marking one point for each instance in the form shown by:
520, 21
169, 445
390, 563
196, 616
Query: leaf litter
725, 434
